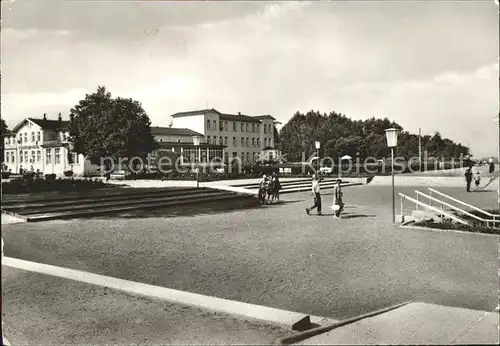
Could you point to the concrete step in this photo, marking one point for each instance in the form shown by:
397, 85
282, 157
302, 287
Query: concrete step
27, 206
416, 324
203, 195
306, 181
94, 211
74, 196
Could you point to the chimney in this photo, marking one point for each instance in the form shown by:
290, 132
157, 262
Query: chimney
239, 113
44, 116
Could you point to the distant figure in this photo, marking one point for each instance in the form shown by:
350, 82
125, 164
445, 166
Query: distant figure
21, 170
317, 195
338, 203
491, 164
468, 177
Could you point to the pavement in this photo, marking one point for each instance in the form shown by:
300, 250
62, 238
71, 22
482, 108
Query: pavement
47, 310
416, 323
273, 255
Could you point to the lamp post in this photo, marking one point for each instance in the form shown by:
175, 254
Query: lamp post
392, 141
196, 142
318, 145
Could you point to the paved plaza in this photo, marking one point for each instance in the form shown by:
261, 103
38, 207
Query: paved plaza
273, 255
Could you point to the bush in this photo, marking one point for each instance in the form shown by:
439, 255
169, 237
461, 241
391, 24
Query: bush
6, 175
68, 173
50, 177
18, 186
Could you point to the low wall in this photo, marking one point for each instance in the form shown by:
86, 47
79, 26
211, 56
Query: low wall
155, 183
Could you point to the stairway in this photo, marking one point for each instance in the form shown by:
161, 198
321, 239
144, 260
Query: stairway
108, 202
300, 185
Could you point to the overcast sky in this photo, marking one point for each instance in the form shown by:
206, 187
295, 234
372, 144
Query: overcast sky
432, 65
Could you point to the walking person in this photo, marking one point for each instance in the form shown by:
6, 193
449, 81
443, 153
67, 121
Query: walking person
277, 187
338, 203
468, 177
317, 195
491, 165
477, 179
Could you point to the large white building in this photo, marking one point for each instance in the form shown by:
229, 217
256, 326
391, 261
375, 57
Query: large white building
249, 138
41, 145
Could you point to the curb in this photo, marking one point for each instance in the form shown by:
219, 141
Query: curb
422, 228
287, 340
17, 216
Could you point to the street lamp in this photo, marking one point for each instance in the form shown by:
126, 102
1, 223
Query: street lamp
196, 142
392, 141
318, 145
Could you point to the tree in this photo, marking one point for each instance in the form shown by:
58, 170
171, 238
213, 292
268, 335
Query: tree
105, 127
340, 135
4, 131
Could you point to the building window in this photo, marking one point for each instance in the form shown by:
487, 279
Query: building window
234, 126
48, 156
226, 157
20, 157
242, 127
215, 140
270, 142
225, 126
242, 141
33, 156
76, 158
38, 136
235, 154
214, 125
225, 140
258, 127
247, 142
32, 137
235, 142
253, 142
57, 156
221, 140
208, 139
26, 156
253, 127
258, 142
248, 127
7, 157
38, 156
208, 124
13, 157
26, 137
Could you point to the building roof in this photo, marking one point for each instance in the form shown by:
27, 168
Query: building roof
264, 117
173, 131
191, 113
45, 124
224, 116
162, 145
239, 117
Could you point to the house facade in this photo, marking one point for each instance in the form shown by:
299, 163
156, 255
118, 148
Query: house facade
41, 145
247, 138
183, 143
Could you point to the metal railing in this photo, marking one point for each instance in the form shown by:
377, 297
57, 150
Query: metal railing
495, 217
461, 211
429, 207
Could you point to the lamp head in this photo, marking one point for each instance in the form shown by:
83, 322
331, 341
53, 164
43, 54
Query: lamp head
392, 137
317, 144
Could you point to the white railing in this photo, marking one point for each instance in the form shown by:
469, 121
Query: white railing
487, 221
429, 207
495, 217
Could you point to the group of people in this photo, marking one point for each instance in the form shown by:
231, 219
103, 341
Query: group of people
269, 189
338, 203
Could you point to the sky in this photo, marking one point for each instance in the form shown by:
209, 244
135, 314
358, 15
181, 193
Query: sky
431, 65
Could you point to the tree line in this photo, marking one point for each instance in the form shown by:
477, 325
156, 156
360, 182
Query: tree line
340, 135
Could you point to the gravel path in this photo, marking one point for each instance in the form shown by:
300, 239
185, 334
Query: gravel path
278, 256
45, 310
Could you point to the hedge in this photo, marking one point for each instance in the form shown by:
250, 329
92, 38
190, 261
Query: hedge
21, 186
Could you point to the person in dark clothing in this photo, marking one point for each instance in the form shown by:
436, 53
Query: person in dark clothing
468, 177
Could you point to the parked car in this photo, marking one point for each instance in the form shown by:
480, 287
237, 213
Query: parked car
120, 175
